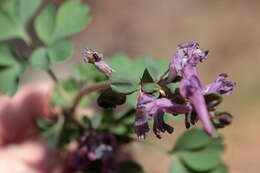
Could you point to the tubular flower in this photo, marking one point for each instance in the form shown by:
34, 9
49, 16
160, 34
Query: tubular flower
149, 107
97, 59
190, 88
188, 55
220, 86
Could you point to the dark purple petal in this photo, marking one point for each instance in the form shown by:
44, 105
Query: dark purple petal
149, 107
159, 125
220, 86
141, 125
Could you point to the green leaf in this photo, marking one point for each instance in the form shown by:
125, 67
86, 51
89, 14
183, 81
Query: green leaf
123, 83
54, 24
192, 139
130, 167
9, 79
222, 168
9, 71
153, 68
65, 92
118, 61
200, 160
150, 87
177, 166
71, 18
53, 134
43, 124
14, 15
216, 144
45, 23
39, 59
96, 121
173, 87
131, 99
138, 64
60, 50
93, 75
86, 121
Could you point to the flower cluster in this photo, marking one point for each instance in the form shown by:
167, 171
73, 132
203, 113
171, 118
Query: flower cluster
95, 146
183, 65
190, 98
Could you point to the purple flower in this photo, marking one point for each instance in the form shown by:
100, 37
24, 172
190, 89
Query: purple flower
148, 108
190, 88
187, 53
220, 86
92, 146
97, 59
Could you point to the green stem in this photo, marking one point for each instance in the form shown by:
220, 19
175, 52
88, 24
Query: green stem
86, 91
52, 75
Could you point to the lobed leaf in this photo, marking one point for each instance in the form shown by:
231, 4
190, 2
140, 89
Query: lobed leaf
150, 87
153, 68
39, 59
177, 166
192, 139
54, 24
60, 50
14, 15
45, 23
123, 83
222, 168
9, 72
200, 160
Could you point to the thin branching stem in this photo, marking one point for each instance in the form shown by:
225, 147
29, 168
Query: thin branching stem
86, 91
52, 75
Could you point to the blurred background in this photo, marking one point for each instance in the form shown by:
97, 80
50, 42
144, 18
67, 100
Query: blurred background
229, 29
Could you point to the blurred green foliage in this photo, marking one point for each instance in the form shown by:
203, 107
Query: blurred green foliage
196, 152
52, 25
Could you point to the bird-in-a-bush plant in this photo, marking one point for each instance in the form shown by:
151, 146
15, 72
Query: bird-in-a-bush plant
151, 92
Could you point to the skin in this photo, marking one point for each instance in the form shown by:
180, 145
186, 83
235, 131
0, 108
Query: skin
21, 149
